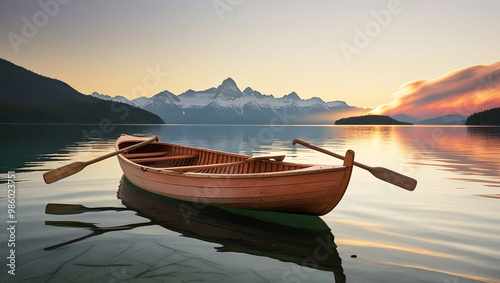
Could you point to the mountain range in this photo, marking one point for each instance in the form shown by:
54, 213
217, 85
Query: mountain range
27, 97
227, 104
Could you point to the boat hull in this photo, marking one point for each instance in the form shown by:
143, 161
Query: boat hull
315, 189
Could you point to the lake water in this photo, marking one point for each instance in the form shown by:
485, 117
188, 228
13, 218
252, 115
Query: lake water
447, 230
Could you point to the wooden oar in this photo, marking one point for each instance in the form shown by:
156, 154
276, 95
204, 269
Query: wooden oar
383, 174
75, 167
65, 209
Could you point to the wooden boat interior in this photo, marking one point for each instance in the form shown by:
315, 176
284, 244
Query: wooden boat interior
165, 156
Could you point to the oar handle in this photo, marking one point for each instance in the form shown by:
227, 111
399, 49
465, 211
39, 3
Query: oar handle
308, 145
317, 148
124, 150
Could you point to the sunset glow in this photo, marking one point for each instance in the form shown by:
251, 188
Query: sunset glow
462, 92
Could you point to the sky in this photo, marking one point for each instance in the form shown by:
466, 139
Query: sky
361, 52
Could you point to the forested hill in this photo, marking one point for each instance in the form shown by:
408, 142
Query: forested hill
370, 120
26, 97
487, 117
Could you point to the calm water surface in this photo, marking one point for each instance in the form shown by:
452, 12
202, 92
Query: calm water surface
447, 230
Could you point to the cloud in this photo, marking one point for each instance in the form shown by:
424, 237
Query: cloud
463, 92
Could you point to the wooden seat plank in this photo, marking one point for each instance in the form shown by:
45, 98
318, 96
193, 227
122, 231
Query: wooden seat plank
164, 158
223, 165
145, 154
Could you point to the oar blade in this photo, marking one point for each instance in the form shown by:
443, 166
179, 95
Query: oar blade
394, 178
73, 168
63, 172
64, 209
71, 224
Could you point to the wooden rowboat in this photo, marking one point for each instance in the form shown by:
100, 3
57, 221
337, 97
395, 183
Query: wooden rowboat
218, 178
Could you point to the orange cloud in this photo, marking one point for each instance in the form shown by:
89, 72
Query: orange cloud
462, 92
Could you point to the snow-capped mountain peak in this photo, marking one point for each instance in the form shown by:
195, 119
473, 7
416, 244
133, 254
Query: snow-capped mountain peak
101, 96
337, 104
229, 83
140, 101
293, 96
228, 90
248, 91
117, 98
167, 97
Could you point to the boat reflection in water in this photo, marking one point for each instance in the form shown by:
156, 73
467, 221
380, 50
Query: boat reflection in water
302, 239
